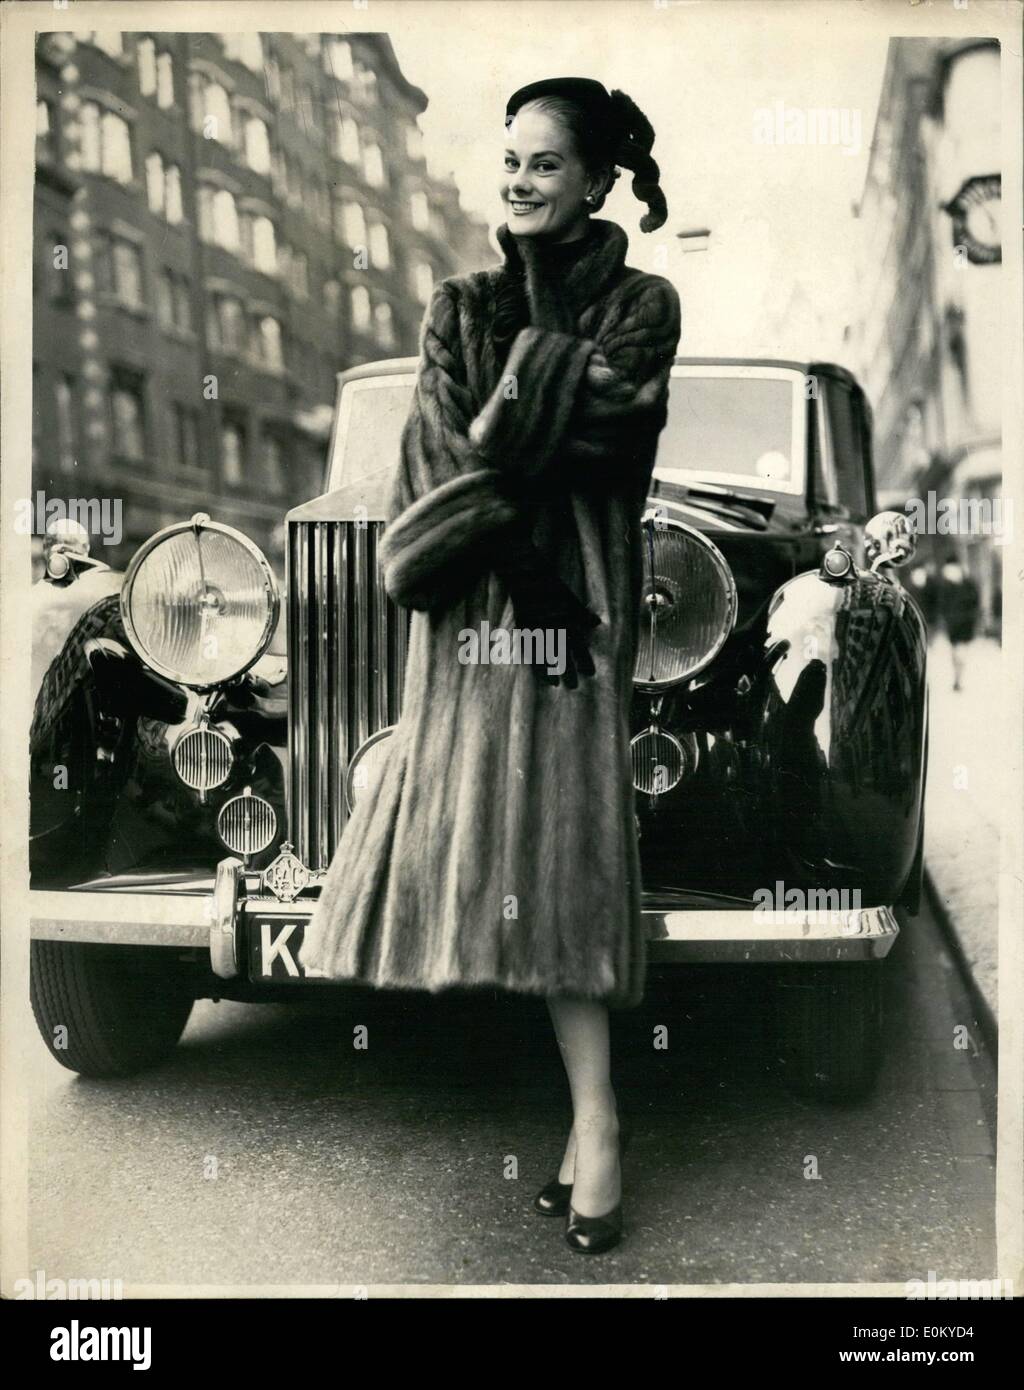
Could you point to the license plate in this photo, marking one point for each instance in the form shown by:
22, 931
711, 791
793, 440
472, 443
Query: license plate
274, 945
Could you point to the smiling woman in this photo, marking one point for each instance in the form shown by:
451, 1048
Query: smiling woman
496, 849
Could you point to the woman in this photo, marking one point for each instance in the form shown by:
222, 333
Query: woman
500, 847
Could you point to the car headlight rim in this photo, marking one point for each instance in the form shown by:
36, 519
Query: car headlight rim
270, 589
359, 757
655, 685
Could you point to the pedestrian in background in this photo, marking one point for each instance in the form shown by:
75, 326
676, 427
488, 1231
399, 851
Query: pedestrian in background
923, 586
958, 604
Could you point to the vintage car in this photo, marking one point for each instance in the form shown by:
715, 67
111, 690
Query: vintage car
189, 785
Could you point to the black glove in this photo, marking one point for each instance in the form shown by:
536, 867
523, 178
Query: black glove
541, 600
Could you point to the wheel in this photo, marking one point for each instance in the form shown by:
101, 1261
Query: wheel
826, 1023
108, 1010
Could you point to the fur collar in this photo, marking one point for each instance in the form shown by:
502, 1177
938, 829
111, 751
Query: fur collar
557, 298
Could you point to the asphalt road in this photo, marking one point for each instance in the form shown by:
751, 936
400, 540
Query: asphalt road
416, 1159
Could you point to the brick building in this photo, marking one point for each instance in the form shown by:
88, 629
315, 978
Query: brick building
927, 343
223, 222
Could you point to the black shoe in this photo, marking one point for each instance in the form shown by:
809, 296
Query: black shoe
553, 1198
590, 1235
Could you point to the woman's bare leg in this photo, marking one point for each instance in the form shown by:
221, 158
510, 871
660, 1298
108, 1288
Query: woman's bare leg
591, 1161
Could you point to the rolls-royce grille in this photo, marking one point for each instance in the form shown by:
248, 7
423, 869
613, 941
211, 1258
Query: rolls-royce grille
346, 668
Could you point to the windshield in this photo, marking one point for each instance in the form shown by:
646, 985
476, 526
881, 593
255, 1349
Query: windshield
742, 426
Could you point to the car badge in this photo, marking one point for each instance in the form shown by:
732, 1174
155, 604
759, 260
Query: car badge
286, 876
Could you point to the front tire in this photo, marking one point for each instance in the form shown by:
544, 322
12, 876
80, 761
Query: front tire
827, 1028
108, 1010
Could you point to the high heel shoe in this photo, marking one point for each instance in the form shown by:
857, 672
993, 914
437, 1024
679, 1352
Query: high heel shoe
592, 1235
554, 1197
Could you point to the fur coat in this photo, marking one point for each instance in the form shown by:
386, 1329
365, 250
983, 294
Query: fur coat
499, 847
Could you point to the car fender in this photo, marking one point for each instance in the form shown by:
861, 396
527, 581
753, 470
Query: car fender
840, 728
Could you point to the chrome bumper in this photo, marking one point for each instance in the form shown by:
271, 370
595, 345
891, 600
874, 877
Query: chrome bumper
718, 935
127, 919
742, 935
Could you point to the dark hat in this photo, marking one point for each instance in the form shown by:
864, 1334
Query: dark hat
615, 126
593, 99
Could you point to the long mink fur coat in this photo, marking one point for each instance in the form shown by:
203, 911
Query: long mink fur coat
499, 847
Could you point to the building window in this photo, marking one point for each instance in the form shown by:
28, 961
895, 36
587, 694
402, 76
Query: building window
423, 281
155, 182
64, 397
232, 452
373, 165
227, 324
119, 270
365, 83
353, 224
272, 80
380, 251
413, 141
383, 325
44, 130
287, 94
299, 278
127, 415
164, 80
106, 145
185, 437
145, 53
257, 145
246, 49
345, 139
268, 343
218, 218
174, 302
419, 209
56, 254
332, 297
211, 111
172, 194
264, 245
110, 42
273, 462
338, 59
359, 300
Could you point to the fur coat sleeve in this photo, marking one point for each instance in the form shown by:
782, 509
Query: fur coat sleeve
567, 411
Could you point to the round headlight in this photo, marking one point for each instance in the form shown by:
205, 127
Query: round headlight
247, 823
199, 602
366, 766
687, 604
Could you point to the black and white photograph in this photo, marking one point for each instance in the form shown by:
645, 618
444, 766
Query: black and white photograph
511, 647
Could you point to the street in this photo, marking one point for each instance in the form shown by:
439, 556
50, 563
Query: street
270, 1151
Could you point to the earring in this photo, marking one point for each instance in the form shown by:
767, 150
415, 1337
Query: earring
590, 198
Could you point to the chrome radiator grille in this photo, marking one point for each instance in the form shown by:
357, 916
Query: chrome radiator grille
346, 668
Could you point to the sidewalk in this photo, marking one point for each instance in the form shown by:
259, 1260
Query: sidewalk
970, 747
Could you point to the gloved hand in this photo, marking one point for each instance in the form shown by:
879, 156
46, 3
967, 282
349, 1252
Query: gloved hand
541, 600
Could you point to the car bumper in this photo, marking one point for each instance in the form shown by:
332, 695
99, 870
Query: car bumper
678, 935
